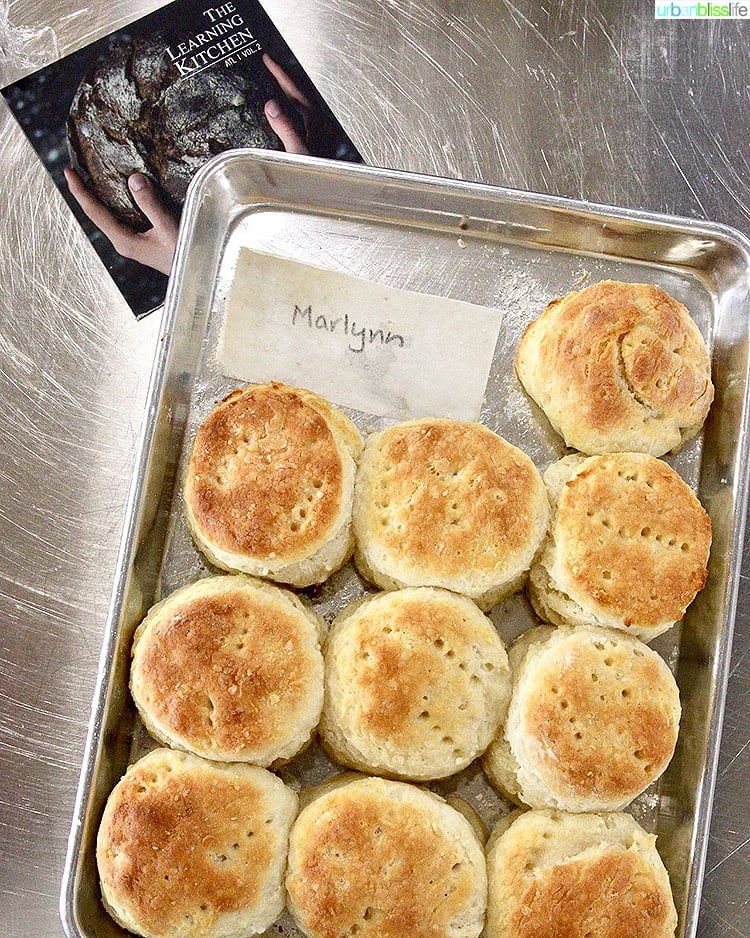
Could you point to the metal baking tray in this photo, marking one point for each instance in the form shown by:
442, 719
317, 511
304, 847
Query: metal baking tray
495, 247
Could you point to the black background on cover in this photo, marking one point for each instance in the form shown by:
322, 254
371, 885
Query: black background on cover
40, 102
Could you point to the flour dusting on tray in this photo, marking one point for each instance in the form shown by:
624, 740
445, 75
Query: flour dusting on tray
389, 352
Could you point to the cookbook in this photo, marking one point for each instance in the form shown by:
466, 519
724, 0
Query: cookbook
123, 124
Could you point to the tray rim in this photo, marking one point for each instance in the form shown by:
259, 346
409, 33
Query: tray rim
563, 204
194, 204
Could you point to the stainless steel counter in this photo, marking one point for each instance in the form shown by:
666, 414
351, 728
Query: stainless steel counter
578, 99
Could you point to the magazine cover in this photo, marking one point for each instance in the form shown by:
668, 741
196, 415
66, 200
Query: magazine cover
123, 124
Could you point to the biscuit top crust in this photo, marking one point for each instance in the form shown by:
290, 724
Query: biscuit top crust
632, 537
180, 837
600, 714
265, 476
617, 363
227, 668
613, 895
417, 670
408, 650
451, 498
556, 875
390, 862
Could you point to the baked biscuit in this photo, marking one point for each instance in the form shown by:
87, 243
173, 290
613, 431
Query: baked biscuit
230, 668
592, 721
449, 504
553, 874
417, 684
627, 548
194, 848
384, 859
269, 484
618, 367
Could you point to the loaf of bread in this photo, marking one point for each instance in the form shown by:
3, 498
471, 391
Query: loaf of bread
133, 112
627, 548
618, 367
417, 684
593, 720
552, 874
270, 482
384, 859
230, 668
194, 848
448, 504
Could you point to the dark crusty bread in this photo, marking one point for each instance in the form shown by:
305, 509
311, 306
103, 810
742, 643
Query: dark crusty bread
133, 113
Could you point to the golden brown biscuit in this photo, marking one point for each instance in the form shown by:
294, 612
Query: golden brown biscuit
557, 875
618, 367
384, 859
448, 504
269, 484
230, 668
593, 720
417, 684
194, 848
627, 548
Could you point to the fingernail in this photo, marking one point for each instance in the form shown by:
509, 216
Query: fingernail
137, 182
272, 108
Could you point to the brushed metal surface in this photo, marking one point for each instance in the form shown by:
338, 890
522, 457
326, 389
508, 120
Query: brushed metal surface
584, 99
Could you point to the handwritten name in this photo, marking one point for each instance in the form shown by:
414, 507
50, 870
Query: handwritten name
344, 325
